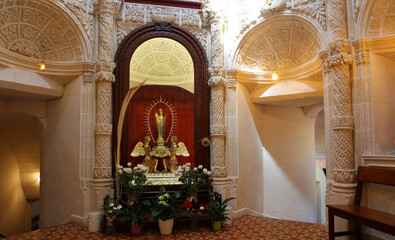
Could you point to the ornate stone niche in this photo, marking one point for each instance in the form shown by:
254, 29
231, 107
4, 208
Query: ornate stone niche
124, 54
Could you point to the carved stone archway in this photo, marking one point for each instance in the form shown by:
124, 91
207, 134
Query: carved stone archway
201, 93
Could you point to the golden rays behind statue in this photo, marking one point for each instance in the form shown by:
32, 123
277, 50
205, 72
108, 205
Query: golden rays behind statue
165, 145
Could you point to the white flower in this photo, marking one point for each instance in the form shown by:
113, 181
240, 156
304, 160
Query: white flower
120, 171
110, 211
129, 164
194, 169
200, 167
202, 208
205, 170
127, 170
208, 173
119, 167
188, 164
187, 169
135, 168
119, 207
111, 204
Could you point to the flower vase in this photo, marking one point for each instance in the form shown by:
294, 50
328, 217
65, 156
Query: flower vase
194, 224
217, 225
192, 197
136, 229
166, 227
109, 230
133, 199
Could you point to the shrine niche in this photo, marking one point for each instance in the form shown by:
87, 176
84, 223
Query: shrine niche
168, 117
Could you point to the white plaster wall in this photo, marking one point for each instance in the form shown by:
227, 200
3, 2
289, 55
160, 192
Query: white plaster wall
13, 205
61, 195
289, 166
250, 183
276, 161
383, 89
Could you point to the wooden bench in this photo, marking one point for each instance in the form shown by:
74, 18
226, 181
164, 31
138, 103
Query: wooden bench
360, 215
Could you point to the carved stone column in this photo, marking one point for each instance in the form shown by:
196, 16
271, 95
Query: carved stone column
336, 60
217, 83
104, 79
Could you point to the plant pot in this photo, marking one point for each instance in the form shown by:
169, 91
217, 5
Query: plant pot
192, 197
217, 225
166, 227
136, 229
194, 224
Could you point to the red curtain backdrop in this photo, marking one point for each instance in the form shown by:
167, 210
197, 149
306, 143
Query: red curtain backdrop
179, 119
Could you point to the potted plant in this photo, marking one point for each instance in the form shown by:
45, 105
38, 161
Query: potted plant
111, 209
164, 209
217, 211
132, 181
193, 211
133, 215
193, 180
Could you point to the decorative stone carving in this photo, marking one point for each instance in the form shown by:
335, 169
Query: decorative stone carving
21, 28
84, 11
104, 78
132, 16
295, 44
315, 9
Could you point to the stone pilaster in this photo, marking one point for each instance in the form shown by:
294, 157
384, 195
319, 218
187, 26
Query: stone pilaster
104, 79
364, 101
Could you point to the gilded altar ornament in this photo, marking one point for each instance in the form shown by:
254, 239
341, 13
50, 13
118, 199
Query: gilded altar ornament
160, 149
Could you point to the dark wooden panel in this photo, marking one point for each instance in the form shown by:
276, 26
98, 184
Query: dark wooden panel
171, 3
379, 175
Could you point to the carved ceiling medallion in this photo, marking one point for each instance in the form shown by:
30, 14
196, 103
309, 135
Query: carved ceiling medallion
21, 27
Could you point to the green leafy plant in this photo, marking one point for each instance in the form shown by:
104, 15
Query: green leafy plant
134, 215
166, 205
193, 179
111, 208
217, 209
132, 180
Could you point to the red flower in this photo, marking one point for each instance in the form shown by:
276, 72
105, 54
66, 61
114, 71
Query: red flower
210, 179
187, 204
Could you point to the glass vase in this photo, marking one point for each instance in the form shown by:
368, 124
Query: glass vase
194, 224
109, 230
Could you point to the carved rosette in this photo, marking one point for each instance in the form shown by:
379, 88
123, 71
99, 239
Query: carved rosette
104, 79
336, 61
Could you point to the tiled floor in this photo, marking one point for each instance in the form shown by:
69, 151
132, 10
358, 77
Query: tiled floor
247, 227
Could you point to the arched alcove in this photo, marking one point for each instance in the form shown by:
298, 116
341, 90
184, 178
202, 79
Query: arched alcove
272, 116
200, 74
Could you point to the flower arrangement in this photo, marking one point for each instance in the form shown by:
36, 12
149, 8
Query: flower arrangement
132, 181
193, 179
193, 210
111, 208
166, 205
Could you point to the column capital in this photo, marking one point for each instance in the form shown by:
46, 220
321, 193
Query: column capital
337, 53
107, 6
